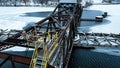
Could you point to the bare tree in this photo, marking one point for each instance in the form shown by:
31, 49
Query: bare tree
19, 2
25, 1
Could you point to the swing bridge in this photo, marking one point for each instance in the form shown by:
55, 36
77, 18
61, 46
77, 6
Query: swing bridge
51, 39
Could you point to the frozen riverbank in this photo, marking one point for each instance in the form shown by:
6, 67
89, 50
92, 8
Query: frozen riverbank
110, 24
113, 17
18, 17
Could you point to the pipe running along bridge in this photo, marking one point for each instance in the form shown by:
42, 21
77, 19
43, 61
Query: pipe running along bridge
51, 39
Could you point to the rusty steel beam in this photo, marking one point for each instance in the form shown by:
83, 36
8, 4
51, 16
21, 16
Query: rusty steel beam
16, 58
4, 61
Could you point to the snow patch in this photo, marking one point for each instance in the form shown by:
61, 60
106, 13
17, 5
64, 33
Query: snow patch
16, 49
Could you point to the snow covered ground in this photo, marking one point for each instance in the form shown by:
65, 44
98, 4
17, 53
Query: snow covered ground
113, 18
18, 17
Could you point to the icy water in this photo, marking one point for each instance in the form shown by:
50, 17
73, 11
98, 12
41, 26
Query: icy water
85, 26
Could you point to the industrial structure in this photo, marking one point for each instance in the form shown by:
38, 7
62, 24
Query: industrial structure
51, 38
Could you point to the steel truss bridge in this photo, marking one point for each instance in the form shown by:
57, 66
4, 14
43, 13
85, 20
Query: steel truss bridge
51, 39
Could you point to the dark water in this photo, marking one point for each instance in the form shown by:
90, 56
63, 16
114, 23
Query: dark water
82, 58
91, 14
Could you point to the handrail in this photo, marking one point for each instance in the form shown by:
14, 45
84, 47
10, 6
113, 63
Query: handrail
46, 54
34, 57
